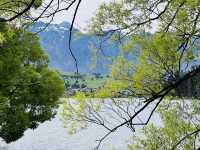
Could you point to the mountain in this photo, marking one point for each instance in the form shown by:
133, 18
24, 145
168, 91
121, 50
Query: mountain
54, 40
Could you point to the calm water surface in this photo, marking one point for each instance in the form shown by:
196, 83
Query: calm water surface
51, 135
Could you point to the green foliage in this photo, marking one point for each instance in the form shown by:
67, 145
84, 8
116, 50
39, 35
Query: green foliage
17, 5
21, 9
29, 91
159, 59
162, 59
74, 111
178, 121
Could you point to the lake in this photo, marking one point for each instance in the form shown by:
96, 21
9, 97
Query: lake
51, 135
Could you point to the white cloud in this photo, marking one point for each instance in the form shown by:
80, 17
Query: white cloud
86, 11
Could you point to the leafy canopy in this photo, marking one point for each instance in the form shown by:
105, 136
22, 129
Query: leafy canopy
162, 59
29, 90
179, 129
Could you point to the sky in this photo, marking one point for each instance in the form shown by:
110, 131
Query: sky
86, 10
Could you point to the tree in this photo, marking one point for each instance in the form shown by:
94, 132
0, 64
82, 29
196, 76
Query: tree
179, 130
17, 10
12, 10
20, 12
26, 83
29, 91
162, 63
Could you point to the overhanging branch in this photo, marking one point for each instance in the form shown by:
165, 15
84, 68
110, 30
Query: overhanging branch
160, 95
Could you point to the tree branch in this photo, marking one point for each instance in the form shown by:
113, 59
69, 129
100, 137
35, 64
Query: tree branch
70, 36
185, 137
160, 94
20, 13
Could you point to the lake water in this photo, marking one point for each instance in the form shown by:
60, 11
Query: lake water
51, 135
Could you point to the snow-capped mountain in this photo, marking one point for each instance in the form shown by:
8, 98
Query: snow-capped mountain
54, 39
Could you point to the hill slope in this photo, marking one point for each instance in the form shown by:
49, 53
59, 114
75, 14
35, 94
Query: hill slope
54, 40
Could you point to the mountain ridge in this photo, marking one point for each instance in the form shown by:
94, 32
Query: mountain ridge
55, 39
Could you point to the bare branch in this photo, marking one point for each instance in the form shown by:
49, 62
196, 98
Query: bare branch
70, 37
